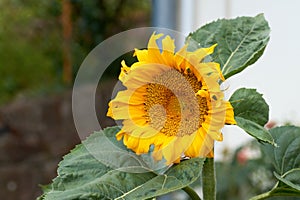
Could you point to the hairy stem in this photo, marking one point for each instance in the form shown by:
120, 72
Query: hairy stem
209, 179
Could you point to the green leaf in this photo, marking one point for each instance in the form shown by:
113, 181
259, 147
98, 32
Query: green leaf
278, 192
286, 160
249, 104
241, 41
286, 156
177, 177
255, 130
251, 113
291, 178
102, 168
284, 191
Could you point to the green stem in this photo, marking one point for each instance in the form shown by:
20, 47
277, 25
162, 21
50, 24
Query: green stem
191, 193
209, 179
261, 196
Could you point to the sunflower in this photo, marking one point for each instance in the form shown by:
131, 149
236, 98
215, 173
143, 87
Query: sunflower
172, 102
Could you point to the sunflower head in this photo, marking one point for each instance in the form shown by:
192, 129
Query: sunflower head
172, 102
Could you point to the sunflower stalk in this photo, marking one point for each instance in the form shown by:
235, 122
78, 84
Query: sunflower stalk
209, 179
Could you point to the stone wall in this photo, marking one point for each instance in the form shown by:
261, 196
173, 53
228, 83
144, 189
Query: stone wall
34, 135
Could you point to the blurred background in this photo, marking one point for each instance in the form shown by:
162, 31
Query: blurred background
43, 43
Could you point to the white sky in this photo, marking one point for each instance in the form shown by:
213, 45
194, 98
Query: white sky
276, 73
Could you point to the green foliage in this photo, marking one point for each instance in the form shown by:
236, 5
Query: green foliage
95, 21
241, 41
286, 161
31, 39
249, 104
90, 172
251, 113
243, 174
29, 47
286, 156
242, 177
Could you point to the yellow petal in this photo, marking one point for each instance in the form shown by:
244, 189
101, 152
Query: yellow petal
203, 52
180, 58
229, 114
168, 51
120, 135
124, 70
143, 75
174, 149
153, 51
194, 149
210, 154
210, 49
142, 55
143, 146
132, 142
152, 41
203, 93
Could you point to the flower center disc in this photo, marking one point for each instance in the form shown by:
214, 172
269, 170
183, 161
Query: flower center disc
171, 103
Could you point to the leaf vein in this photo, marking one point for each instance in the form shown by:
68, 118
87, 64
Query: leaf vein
237, 48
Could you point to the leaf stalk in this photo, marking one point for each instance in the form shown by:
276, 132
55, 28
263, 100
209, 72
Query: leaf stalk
191, 193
